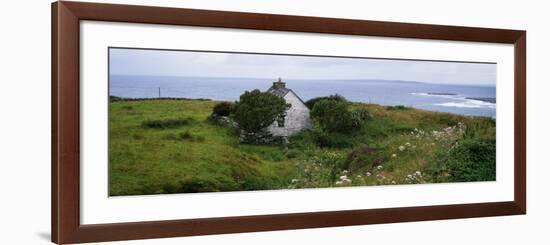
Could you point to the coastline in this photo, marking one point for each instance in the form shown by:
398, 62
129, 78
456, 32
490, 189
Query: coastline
113, 98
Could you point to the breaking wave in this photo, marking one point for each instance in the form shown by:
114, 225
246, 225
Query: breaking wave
468, 103
458, 101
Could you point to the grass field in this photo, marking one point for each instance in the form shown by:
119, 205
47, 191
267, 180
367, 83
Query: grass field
169, 146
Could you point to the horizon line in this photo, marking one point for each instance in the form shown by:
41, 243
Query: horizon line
311, 79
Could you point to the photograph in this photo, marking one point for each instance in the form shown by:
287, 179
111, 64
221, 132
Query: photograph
275, 122
194, 121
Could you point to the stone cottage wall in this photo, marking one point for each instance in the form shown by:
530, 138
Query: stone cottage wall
297, 117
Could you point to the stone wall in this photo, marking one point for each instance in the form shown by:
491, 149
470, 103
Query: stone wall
297, 118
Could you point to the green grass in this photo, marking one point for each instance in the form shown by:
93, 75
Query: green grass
168, 146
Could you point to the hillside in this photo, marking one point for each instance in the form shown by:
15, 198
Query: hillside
169, 146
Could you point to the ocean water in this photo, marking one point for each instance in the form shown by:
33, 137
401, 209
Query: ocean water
458, 99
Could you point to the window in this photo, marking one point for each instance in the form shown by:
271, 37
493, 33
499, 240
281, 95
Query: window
281, 121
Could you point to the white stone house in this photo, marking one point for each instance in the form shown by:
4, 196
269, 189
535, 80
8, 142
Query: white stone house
296, 117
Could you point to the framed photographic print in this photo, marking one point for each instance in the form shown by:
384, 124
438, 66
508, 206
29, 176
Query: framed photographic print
176, 122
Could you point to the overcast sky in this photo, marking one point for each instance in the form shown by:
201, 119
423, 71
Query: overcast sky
207, 64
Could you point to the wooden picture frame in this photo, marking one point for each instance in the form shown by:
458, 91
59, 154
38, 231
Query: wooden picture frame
66, 226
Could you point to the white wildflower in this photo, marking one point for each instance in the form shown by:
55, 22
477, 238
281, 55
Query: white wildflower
338, 182
408, 144
401, 148
379, 167
394, 155
418, 173
367, 174
409, 176
343, 177
294, 180
345, 172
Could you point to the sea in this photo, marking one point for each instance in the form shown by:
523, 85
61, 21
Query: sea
459, 99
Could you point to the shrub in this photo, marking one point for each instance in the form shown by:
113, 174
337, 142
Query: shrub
303, 141
333, 116
469, 160
473, 160
333, 140
166, 123
336, 97
358, 158
362, 114
252, 182
223, 109
256, 110
319, 171
397, 108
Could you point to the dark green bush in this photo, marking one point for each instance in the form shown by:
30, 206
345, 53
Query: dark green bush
362, 113
251, 182
336, 97
303, 141
166, 123
334, 140
359, 157
469, 160
333, 116
397, 108
256, 110
223, 109
473, 160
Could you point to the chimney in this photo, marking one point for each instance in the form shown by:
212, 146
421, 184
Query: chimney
279, 84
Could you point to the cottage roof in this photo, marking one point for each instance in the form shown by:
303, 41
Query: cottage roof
281, 92
279, 88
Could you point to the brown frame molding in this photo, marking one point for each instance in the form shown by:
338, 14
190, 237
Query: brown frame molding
66, 227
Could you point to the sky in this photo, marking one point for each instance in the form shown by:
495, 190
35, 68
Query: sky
209, 64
